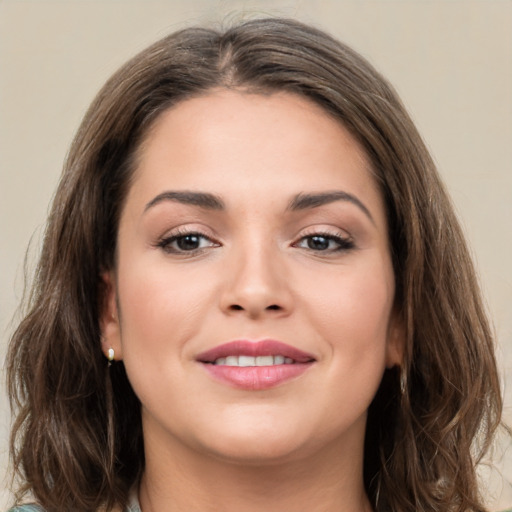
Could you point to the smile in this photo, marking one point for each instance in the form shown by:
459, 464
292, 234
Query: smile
253, 361
257, 365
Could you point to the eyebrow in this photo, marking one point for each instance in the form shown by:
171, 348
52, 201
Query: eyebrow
306, 201
201, 199
299, 202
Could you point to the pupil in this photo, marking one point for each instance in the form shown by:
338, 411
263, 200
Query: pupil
319, 243
188, 242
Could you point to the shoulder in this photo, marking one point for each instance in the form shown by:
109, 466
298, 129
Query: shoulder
27, 508
133, 506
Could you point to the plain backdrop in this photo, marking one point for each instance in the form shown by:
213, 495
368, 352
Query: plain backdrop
450, 60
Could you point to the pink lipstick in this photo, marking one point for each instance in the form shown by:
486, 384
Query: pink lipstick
255, 365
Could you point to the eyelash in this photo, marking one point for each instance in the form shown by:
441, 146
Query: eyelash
343, 243
165, 243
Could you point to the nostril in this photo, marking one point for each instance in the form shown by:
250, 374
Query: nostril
273, 307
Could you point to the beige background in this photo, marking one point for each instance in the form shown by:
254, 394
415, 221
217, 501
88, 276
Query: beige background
451, 61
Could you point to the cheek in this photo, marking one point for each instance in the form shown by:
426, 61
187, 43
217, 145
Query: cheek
351, 309
355, 324
160, 306
160, 310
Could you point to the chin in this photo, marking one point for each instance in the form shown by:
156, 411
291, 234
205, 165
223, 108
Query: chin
262, 453
262, 444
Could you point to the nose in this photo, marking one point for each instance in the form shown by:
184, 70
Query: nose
256, 284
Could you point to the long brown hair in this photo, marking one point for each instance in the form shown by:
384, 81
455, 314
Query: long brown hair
77, 439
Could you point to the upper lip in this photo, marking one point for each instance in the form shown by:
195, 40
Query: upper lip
255, 348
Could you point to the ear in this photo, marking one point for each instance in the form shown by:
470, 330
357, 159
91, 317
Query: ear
396, 340
109, 317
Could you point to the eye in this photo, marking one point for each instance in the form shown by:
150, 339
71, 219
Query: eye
323, 242
188, 242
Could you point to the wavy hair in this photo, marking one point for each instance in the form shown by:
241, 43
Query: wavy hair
77, 439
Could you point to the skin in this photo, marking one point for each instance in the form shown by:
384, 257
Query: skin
209, 445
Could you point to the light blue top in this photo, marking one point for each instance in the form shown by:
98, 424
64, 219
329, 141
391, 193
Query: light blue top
133, 506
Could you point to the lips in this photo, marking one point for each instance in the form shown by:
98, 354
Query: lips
255, 365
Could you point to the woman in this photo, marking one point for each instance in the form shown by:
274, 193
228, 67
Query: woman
253, 295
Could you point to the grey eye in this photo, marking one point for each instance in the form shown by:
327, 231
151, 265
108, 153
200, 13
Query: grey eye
188, 242
318, 243
325, 243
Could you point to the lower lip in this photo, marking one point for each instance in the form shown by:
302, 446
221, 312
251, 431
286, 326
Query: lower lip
256, 377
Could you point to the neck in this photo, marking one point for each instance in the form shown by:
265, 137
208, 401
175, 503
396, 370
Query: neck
325, 481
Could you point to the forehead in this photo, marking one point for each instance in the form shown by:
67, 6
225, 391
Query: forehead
227, 141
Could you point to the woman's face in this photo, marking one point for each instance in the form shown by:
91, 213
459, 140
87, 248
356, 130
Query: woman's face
253, 295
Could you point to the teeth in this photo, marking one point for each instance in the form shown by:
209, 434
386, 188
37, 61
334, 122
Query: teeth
246, 361
264, 360
253, 361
